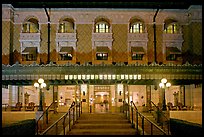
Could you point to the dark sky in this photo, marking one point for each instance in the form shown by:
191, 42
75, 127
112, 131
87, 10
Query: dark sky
102, 4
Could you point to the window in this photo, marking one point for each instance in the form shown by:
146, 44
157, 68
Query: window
172, 53
136, 56
31, 26
29, 54
171, 57
137, 53
136, 28
102, 56
172, 28
102, 27
66, 53
66, 56
66, 27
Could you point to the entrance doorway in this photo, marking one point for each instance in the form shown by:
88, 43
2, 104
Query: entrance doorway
101, 101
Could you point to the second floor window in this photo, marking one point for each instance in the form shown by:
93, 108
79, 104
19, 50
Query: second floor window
29, 54
65, 56
172, 53
102, 56
137, 56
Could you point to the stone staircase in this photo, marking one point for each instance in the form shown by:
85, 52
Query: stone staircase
102, 124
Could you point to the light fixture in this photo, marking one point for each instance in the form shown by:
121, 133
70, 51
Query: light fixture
163, 85
40, 84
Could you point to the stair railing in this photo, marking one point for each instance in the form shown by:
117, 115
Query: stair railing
135, 115
65, 122
159, 113
46, 115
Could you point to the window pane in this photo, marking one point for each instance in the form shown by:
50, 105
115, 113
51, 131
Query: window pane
102, 28
65, 57
102, 56
137, 56
136, 28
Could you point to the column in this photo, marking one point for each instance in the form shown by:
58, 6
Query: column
182, 95
148, 96
13, 95
84, 97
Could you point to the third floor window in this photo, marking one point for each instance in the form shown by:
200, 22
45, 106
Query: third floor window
136, 28
31, 26
102, 27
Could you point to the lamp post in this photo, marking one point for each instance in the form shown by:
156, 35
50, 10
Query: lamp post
163, 85
40, 84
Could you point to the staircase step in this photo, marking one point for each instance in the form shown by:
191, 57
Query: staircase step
102, 132
102, 126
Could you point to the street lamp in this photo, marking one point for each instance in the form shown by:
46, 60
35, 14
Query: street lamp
40, 84
163, 85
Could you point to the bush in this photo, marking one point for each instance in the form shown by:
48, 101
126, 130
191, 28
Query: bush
25, 127
181, 127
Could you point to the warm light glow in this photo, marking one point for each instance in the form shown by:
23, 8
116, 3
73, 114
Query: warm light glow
41, 80
168, 84
161, 85
43, 85
164, 80
36, 84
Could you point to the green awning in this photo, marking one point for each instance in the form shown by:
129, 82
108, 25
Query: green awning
102, 49
30, 50
172, 50
137, 50
65, 50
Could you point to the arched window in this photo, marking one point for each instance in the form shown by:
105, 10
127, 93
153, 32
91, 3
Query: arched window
102, 27
31, 26
66, 26
137, 27
171, 26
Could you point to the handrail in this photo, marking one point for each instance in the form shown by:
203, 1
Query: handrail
133, 107
168, 126
44, 112
68, 113
159, 109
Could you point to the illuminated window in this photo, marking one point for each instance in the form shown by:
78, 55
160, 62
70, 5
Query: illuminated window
66, 56
172, 53
137, 56
66, 26
29, 54
171, 28
66, 53
102, 27
136, 28
31, 26
102, 56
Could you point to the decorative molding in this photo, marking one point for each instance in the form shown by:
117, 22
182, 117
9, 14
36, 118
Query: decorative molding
138, 37
66, 37
29, 37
